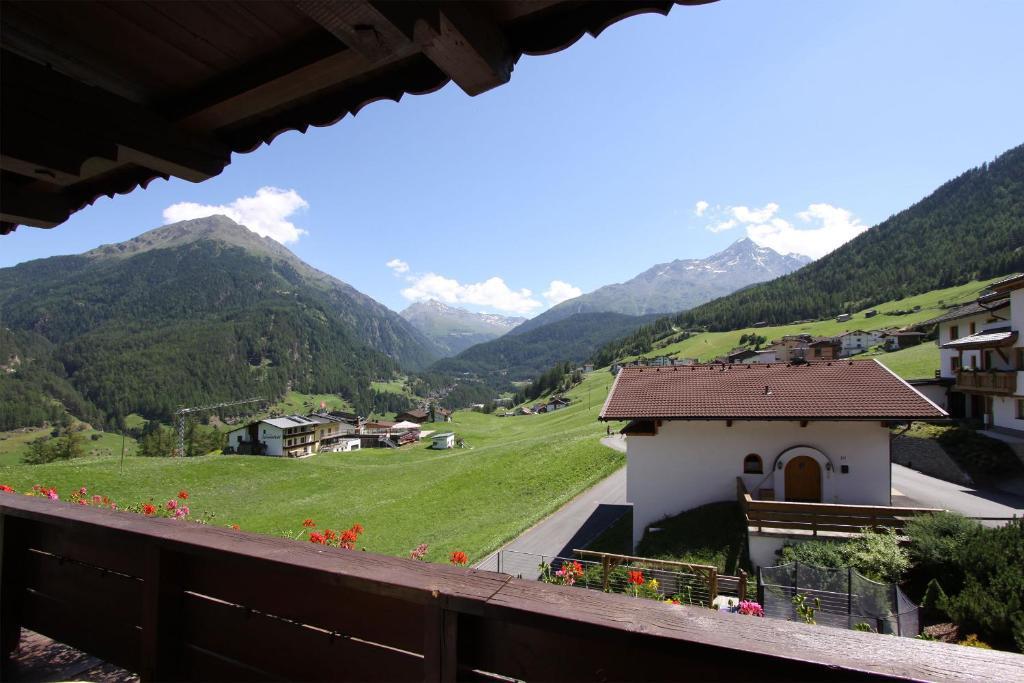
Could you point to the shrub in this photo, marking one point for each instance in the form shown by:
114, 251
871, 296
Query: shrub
935, 542
876, 555
991, 602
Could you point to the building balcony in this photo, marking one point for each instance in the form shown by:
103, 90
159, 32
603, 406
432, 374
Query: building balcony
997, 382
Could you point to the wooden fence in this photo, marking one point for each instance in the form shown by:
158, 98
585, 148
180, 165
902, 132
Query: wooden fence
178, 600
714, 581
816, 517
990, 381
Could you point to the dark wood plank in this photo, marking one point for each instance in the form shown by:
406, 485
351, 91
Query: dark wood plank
112, 641
89, 590
288, 650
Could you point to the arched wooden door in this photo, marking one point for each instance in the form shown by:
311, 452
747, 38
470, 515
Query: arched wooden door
803, 480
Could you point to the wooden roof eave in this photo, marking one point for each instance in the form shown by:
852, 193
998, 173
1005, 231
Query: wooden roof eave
78, 123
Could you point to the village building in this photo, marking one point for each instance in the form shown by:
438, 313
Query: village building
825, 348
291, 436
855, 341
982, 353
442, 441
902, 339
791, 346
417, 415
808, 432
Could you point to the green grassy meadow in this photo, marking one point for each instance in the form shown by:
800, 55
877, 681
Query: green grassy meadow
295, 402
913, 363
14, 445
514, 472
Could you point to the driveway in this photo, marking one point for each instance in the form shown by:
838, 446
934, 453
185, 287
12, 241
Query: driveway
914, 489
575, 524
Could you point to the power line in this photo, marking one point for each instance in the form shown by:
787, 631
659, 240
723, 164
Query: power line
181, 413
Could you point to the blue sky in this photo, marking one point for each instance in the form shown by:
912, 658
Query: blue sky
798, 123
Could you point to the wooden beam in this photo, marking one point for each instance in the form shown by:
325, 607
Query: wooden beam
468, 46
22, 205
41, 105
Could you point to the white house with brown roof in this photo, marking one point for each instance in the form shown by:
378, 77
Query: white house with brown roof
810, 432
982, 354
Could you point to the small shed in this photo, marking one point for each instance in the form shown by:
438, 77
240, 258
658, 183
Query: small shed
443, 441
347, 446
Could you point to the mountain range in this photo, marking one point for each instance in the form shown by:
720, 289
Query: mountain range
969, 228
456, 329
190, 313
678, 285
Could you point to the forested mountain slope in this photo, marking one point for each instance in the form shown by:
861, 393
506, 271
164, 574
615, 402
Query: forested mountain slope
198, 311
523, 356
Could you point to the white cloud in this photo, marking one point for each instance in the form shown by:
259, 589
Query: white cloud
398, 265
559, 291
722, 226
826, 227
492, 293
829, 228
747, 215
265, 214
700, 207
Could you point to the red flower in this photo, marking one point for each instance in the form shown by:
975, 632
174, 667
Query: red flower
6, 489
314, 537
330, 535
183, 494
308, 523
358, 528
458, 557
234, 527
81, 501
148, 509
636, 578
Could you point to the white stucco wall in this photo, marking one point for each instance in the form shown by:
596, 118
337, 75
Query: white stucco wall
692, 463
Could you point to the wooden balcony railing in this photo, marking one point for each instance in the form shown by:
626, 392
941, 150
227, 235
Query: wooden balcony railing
987, 381
177, 600
815, 517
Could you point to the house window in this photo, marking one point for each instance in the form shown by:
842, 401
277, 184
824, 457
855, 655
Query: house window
954, 332
752, 464
970, 328
954, 363
1020, 358
1020, 408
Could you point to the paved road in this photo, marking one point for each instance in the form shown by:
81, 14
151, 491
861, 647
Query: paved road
914, 489
577, 523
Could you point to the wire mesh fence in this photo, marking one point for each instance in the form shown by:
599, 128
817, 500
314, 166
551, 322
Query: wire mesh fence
637, 579
842, 598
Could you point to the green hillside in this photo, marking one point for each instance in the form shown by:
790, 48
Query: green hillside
914, 363
514, 472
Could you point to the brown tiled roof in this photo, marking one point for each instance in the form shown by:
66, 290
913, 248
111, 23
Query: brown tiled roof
966, 310
861, 390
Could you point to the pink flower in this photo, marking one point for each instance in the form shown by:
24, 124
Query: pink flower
52, 494
179, 513
750, 608
172, 504
82, 501
97, 499
6, 489
184, 510
82, 491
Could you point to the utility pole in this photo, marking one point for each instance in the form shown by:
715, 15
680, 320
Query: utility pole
182, 413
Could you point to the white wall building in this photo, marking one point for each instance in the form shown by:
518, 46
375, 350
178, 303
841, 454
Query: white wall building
856, 341
443, 441
806, 433
293, 436
982, 352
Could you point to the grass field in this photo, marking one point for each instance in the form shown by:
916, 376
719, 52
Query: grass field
515, 471
917, 362
295, 402
14, 445
393, 386
709, 345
